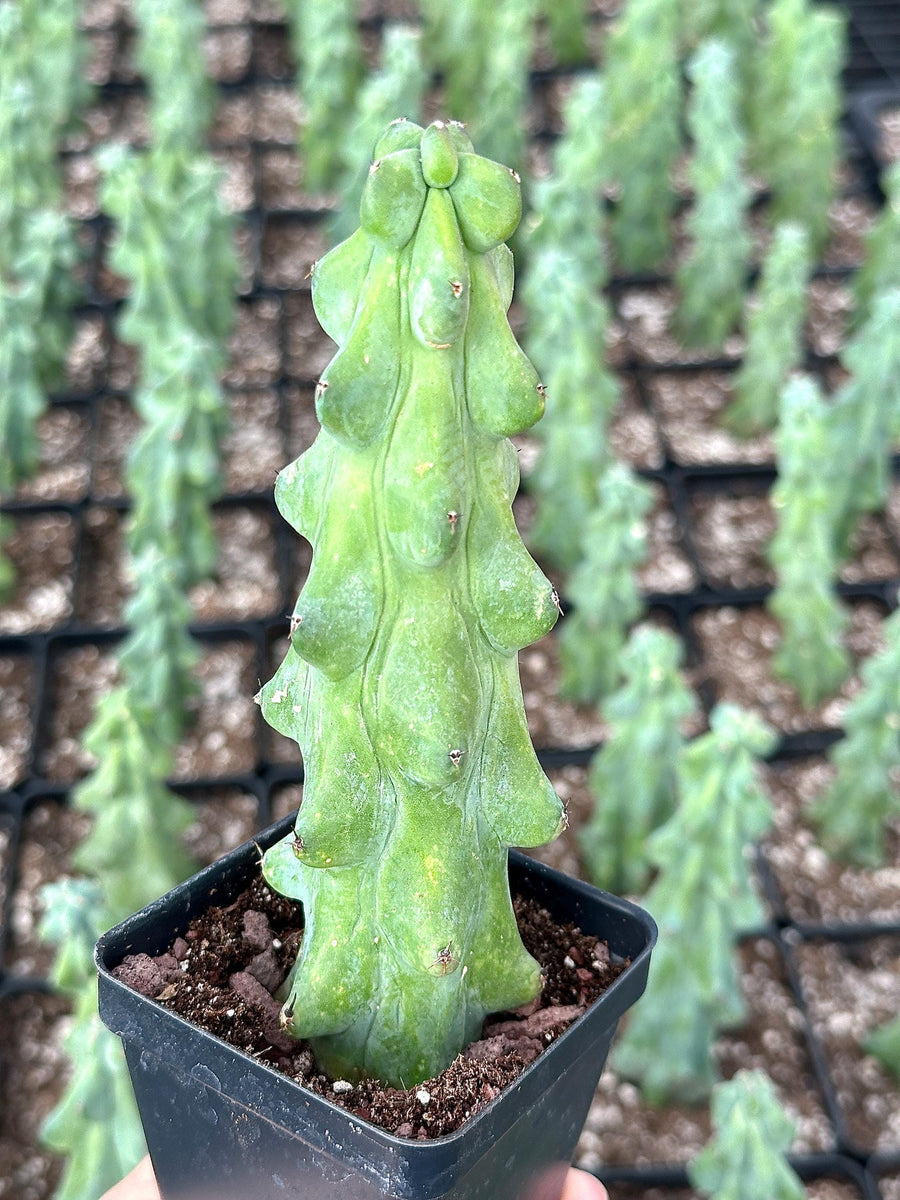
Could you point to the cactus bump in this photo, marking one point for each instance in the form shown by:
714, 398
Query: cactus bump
401, 683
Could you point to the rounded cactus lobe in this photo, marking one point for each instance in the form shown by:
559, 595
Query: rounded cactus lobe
401, 134
440, 161
301, 487
438, 276
337, 822
459, 139
429, 690
503, 391
393, 198
356, 389
517, 798
488, 201
281, 869
337, 613
285, 698
337, 284
503, 973
515, 602
425, 469
334, 979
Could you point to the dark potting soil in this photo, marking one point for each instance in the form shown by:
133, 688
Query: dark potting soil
222, 973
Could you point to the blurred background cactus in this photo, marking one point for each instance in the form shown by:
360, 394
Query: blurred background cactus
711, 277
633, 777
703, 897
746, 1157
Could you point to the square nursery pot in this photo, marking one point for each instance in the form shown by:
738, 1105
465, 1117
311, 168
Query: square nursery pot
222, 1126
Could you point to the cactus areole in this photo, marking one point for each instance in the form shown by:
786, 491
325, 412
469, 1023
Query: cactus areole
401, 683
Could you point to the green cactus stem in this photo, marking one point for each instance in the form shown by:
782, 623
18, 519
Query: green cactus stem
603, 587
41, 85
774, 332
633, 776
330, 67
643, 80
853, 814
401, 683
499, 123
137, 820
811, 653
96, 1122
7, 566
865, 416
703, 898
796, 103
170, 56
158, 657
567, 320
731, 19
456, 41
752, 1133
712, 278
174, 243
881, 268
22, 399
397, 86
174, 466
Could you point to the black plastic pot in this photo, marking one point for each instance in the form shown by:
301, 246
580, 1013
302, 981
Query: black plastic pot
222, 1126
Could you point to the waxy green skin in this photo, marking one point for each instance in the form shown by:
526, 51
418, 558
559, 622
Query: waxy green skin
401, 684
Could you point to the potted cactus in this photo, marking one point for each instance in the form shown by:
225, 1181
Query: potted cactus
401, 687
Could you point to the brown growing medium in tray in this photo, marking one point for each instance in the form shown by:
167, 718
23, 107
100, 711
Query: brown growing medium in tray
63, 472
647, 311
34, 1066
667, 568
17, 679
738, 644
245, 583
689, 407
7, 828
621, 1128
815, 888
52, 831
633, 434
221, 974
42, 550
220, 741
290, 247
103, 585
731, 533
850, 988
